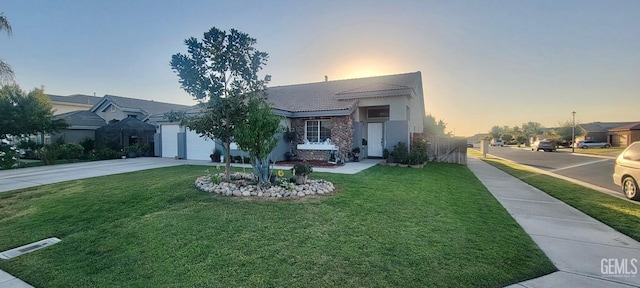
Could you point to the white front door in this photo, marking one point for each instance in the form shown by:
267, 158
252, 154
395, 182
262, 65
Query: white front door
374, 139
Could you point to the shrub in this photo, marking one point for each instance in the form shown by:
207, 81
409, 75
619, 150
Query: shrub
302, 168
106, 153
88, 144
50, 153
71, 151
400, 153
8, 156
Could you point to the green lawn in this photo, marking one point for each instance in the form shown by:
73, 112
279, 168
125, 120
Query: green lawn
619, 214
386, 226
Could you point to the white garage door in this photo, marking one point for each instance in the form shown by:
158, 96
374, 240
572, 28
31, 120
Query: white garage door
170, 140
198, 148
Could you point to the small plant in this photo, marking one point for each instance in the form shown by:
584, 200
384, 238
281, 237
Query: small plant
302, 169
288, 185
50, 153
385, 153
237, 159
400, 153
356, 150
215, 156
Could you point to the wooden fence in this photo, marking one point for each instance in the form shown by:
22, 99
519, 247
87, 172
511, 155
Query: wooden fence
447, 149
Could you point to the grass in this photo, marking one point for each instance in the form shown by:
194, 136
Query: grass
386, 226
615, 150
619, 214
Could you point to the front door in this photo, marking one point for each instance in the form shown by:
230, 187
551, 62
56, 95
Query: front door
375, 139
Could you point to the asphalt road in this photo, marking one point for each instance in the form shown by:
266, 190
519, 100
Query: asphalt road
596, 170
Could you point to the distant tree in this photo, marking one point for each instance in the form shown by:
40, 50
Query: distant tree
565, 130
532, 129
256, 135
24, 114
506, 137
495, 132
433, 128
6, 73
221, 72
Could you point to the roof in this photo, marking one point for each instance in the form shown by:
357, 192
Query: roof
129, 124
147, 107
632, 126
82, 118
602, 126
341, 94
75, 99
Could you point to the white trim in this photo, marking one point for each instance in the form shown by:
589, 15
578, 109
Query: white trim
317, 146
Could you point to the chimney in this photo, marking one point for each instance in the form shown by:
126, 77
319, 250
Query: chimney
326, 79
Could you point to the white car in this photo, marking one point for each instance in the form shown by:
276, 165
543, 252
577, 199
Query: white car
627, 171
592, 144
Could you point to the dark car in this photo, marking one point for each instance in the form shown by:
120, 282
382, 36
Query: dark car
545, 145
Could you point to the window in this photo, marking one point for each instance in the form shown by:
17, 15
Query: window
378, 113
318, 130
113, 109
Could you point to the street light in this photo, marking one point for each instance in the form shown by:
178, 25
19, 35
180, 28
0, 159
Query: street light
573, 133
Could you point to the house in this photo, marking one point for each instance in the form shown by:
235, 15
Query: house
598, 131
82, 125
76, 102
373, 113
112, 107
623, 136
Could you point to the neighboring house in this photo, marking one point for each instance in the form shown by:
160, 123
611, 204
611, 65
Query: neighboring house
623, 136
77, 102
372, 113
598, 131
112, 107
82, 125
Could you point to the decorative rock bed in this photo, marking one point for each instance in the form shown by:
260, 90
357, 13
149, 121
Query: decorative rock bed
241, 187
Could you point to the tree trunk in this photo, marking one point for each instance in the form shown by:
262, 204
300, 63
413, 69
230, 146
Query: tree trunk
227, 170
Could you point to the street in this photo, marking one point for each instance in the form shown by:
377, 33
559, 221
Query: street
589, 169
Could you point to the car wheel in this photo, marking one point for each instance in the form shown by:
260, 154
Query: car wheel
607, 146
630, 188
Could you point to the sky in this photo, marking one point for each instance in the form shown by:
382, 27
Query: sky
483, 63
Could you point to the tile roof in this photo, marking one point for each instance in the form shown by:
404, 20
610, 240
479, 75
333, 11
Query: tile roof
602, 126
148, 106
632, 126
324, 96
76, 99
82, 118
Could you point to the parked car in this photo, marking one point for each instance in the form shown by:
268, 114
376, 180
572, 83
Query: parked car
497, 142
592, 144
626, 172
545, 145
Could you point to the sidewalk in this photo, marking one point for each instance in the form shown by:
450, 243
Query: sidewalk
578, 245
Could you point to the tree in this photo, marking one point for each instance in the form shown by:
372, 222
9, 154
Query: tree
565, 131
433, 128
257, 136
26, 113
6, 73
221, 72
530, 129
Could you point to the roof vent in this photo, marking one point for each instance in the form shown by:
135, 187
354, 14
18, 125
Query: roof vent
15, 252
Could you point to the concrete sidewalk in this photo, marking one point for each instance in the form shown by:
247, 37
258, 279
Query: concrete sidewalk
584, 250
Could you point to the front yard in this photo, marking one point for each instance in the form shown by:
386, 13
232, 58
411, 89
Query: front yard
386, 226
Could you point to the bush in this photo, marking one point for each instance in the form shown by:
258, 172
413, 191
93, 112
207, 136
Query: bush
49, 154
106, 153
8, 156
71, 151
400, 153
88, 144
30, 148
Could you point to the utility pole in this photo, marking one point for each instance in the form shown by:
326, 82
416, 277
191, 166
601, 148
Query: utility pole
573, 133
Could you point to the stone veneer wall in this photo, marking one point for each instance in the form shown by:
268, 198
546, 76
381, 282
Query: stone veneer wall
341, 136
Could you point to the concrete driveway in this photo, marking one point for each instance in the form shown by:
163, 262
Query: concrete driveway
30, 177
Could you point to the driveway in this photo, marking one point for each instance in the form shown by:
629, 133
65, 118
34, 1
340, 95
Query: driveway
30, 177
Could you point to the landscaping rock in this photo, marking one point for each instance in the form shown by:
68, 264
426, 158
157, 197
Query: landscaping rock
242, 187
